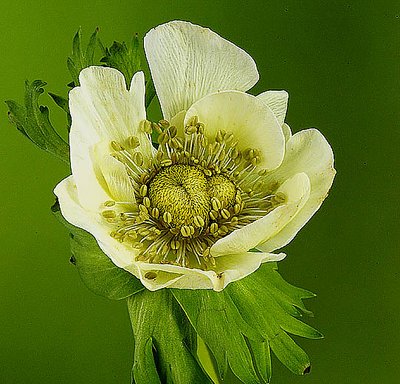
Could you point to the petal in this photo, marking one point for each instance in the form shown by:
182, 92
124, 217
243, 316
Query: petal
102, 109
277, 101
248, 118
306, 151
287, 132
296, 190
188, 62
74, 213
228, 268
112, 174
236, 267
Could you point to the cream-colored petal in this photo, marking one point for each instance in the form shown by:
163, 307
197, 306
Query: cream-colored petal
188, 62
287, 132
112, 174
306, 151
277, 101
92, 222
248, 118
228, 268
102, 109
235, 267
296, 190
178, 122
173, 276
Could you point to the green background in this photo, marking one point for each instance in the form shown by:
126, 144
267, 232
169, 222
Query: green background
339, 61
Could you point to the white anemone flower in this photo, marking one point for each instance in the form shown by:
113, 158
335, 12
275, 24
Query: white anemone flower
227, 177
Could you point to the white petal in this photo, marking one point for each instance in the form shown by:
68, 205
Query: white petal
306, 151
228, 268
277, 101
287, 132
112, 174
178, 122
235, 267
296, 190
92, 222
188, 62
248, 118
102, 109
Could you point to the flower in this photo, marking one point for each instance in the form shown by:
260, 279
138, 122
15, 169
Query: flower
228, 176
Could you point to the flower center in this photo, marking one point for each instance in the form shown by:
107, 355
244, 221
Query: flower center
193, 191
186, 194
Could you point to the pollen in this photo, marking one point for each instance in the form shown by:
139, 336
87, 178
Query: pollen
194, 190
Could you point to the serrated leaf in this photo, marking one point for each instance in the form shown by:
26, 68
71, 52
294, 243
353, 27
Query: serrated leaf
163, 352
63, 104
218, 322
124, 57
96, 270
251, 316
32, 120
81, 57
264, 299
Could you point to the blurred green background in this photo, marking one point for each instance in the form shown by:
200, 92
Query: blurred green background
339, 61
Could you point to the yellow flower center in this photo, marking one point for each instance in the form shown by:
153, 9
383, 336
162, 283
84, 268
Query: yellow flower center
192, 192
187, 194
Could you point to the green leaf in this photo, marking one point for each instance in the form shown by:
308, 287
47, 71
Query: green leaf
81, 58
124, 57
150, 92
164, 341
63, 104
251, 316
218, 322
32, 120
96, 270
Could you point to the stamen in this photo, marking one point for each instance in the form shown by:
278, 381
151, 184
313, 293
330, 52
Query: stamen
192, 192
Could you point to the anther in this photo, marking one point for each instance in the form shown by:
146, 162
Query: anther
166, 162
214, 228
279, 197
109, 203
172, 131
216, 204
132, 142
198, 221
116, 146
167, 217
163, 138
138, 158
109, 214
213, 215
206, 253
164, 123
175, 244
145, 126
143, 190
131, 235
219, 137
146, 202
193, 121
225, 214
236, 208
144, 177
155, 213
185, 231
